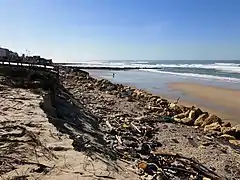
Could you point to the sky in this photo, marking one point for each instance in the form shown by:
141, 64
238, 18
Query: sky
80, 30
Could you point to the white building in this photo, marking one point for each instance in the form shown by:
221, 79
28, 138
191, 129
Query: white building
4, 52
13, 54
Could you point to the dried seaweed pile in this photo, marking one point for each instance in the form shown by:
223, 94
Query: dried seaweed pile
21, 147
136, 141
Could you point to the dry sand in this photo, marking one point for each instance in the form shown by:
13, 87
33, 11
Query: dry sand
21, 108
226, 101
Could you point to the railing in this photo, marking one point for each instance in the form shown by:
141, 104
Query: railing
31, 63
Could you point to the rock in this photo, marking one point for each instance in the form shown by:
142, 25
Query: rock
187, 121
199, 121
90, 86
181, 115
163, 102
235, 142
236, 128
226, 124
226, 130
236, 131
211, 119
233, 131
111, 88
130, 99
158, 100
187, 113
228, 137
175, 140
134, 95
177, 109
178, 120
154, 109
212, 127
205, 178
195, 113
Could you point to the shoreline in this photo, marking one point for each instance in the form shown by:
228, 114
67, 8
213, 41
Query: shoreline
224, 101
182, 103
187, 99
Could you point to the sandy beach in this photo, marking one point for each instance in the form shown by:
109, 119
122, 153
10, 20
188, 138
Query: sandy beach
224, 102
215, 98
88, 128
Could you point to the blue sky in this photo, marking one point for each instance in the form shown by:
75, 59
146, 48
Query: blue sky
76, 30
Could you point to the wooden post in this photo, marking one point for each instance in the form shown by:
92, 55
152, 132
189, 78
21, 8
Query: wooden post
58, 74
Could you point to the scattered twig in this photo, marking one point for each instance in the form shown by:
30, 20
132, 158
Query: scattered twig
19, 161
119, 139
109, 125
135, 127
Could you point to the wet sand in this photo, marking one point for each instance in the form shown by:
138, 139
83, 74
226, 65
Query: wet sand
221, 101
214, 99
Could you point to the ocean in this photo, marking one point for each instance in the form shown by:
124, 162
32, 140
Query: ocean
226, 71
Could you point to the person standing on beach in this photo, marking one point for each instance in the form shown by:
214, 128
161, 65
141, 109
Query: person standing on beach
113, 75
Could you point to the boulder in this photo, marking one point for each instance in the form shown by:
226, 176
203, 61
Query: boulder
111, 87
172, 105
235, 142
176, 108
187, 121
187, 113
212, 127
157, 99
199, 121
236, 128
226, 124
211, 119
226, 130
195, 113
163, 102
181, 115
177, 120
236, 131
233, 131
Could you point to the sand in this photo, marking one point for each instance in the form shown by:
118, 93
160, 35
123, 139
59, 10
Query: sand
224, 102
21, 108
81, 105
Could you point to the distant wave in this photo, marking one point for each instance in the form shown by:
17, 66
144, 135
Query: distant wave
224, 67
204, 76
212, 70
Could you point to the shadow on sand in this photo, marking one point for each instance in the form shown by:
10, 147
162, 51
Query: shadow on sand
67, 114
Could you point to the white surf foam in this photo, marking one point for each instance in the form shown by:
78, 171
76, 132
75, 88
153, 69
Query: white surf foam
224, 67
201, 76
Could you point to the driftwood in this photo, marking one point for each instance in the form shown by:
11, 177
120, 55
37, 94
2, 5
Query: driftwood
109, 125
135, 127
197, 168
119, 139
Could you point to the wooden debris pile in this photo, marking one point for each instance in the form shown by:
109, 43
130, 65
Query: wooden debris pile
136, 141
